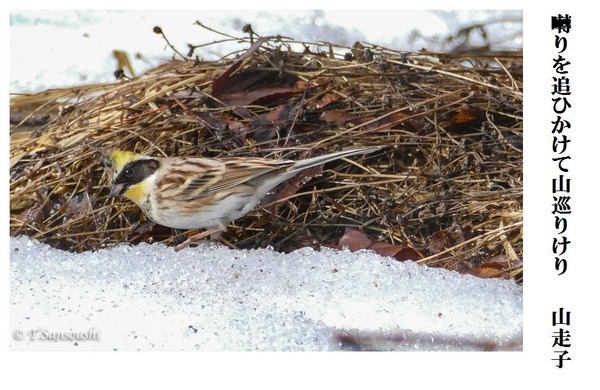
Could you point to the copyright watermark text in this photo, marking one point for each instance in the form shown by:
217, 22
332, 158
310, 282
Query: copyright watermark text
41, 334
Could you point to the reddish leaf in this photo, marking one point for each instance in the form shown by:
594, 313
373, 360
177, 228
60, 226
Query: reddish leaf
313, 83
438, 241
290, 187
242, 81
387, 122
265, 127
464, 121
495, 267
327, 99
223, 80
505, 262
219, 123
263, 220
398, 252
145, 227
211, 121
354, 239
262, 95
408, 254
487, 270
78, 205
278, 115
464, 116
336, 116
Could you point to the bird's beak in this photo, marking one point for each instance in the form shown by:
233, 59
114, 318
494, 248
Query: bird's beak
116, 189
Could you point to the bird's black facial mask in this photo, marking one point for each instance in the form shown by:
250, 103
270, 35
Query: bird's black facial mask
133, 173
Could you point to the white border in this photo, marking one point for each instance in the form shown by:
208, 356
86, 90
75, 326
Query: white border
543, 291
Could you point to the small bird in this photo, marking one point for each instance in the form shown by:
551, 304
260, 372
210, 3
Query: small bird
198, 192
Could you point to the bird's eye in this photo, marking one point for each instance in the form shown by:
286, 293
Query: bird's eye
128, 172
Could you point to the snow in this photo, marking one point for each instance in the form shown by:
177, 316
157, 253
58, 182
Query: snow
77, 45
149, 297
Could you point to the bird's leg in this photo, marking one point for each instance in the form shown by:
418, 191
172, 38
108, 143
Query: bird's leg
214, 233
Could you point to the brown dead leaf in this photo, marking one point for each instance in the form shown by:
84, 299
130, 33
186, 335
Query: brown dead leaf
438, 241
354, 240
497, 266
398, 252
145, 227
487, 270
386, 122
290, 187
266, 126
466, 120
263, 95
336, 116
78, 205
241, 82
220, 123
277, 115
262, 220
327, 99
313, 83
224, 81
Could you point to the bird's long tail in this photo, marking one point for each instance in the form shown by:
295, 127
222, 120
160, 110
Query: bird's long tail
314, 161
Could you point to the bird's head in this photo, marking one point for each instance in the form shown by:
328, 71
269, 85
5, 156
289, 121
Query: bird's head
130, 173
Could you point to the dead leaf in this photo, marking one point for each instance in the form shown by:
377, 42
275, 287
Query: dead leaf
398, 252
77, 205
487, 270
220, 123
438, 241
263, 95
327, 99
290, 187
266, 126
224, 79
336, 116
313, 83
466, 120
386, 121
354, 240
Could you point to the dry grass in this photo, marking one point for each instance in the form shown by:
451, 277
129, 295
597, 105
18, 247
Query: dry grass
448, 182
